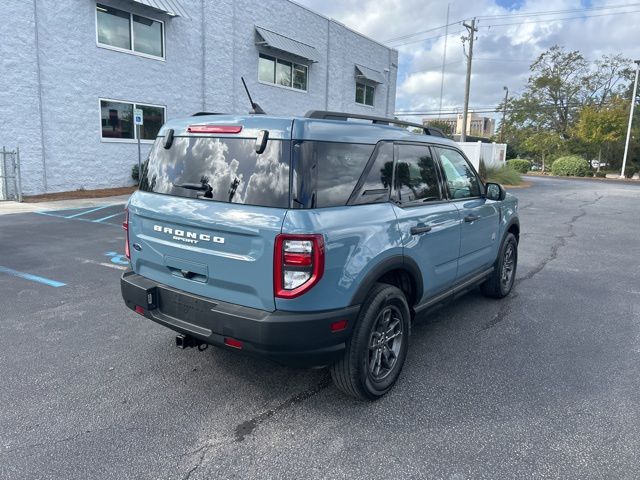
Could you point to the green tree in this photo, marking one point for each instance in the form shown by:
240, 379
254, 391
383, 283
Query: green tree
598, 126
542, 143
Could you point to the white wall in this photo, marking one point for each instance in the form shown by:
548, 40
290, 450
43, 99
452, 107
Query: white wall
493, 154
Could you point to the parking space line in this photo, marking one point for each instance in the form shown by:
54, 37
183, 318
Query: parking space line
107, 217
103, 264
89, 211
33, 278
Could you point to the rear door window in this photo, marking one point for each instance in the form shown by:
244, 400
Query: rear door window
377, 184
326, 173
221, 169
416, 178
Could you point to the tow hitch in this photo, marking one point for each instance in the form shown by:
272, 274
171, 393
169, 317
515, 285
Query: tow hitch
185, 341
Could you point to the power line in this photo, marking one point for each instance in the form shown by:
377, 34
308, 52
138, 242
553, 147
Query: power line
543, 20
513, 15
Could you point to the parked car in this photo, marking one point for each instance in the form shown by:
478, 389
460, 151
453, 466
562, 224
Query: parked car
312, 241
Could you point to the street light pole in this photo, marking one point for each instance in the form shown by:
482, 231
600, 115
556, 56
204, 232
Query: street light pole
504, 113
633, 104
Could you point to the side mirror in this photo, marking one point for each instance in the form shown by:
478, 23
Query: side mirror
494, 191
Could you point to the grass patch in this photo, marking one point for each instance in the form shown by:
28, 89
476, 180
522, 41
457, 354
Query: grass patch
504, 176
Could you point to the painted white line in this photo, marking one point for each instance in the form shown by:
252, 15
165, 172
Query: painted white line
104, 264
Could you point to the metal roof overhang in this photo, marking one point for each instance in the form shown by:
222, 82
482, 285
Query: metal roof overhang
168, 7
370, 74
274, 40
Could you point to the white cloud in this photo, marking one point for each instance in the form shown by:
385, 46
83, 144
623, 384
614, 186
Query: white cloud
502, 54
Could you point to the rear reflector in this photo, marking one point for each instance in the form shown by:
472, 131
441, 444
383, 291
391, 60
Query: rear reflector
338, 326
139, 310
232, 342
214, 128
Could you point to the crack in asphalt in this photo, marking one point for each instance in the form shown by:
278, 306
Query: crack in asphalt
246, 428
55, 442
561, 241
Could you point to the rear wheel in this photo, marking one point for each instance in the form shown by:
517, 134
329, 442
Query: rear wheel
377, 348
500, 283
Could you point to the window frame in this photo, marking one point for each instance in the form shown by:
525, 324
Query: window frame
443, 176
132, 51
366, 85
293, 63
135, 130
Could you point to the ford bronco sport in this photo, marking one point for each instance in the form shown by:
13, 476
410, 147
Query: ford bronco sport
312, 240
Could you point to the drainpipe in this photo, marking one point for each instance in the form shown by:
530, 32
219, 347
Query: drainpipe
39, 77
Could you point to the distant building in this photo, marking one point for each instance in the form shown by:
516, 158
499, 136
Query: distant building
477, 126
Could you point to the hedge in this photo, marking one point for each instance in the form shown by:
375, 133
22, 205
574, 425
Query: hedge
520, 165
571, 166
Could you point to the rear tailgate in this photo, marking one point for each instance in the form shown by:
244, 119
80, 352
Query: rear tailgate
222, 251
210, 205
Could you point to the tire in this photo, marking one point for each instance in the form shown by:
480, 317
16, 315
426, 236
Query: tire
501, 281
372, 361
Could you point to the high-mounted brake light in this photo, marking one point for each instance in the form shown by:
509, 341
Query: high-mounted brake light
214, 128
125, 226
298, 264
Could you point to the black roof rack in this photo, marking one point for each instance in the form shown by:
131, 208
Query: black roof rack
200, 114
327, 115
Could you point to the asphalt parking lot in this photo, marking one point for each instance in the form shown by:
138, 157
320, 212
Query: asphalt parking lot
544, 384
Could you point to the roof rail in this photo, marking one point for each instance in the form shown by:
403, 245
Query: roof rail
327, 115
200, 114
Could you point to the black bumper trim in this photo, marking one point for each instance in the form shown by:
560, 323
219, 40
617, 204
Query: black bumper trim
291, 338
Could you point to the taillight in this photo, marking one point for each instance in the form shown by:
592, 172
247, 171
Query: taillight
125, 225
298, 264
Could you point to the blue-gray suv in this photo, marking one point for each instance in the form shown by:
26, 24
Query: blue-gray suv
312, 241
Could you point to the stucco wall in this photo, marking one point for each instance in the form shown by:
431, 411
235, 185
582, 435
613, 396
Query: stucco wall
205, 56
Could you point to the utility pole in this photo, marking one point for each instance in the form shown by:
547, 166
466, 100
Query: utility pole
504, 113
444, 59
633, 104
465, 113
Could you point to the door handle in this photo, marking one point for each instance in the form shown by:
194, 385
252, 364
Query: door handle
471, 218
420, 230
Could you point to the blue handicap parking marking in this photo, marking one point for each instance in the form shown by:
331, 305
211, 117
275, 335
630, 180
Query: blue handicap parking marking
31, 277
117, 258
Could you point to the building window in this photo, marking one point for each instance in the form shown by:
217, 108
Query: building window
283, 73
117, 120
124, 31
364, 94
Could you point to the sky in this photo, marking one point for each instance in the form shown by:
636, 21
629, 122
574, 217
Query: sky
502, 53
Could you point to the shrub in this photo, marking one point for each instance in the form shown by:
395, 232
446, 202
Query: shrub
482, 170
630, 170
504, 175
135, 174
571, 165
601, 174
520, 165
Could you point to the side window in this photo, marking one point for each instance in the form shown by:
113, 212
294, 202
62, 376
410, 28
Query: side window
377, 185
462, 182
416, 178
326, 173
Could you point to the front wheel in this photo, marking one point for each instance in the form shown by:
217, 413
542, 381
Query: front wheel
377, 348
500, 283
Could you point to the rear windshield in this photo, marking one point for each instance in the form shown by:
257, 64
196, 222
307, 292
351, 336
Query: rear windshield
221, 169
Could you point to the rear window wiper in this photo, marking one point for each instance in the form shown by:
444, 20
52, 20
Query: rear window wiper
193, 186
200, 187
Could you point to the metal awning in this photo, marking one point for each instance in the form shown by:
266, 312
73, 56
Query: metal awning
168, 7
274, 40
370, 74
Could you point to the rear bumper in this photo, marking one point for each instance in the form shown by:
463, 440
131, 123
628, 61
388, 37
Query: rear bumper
291, 338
